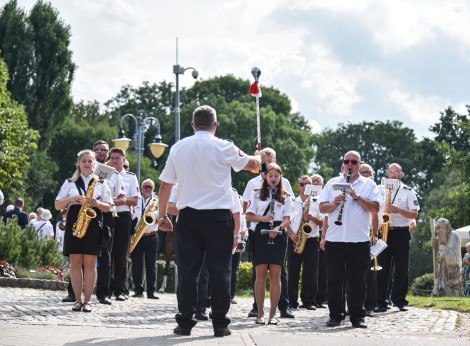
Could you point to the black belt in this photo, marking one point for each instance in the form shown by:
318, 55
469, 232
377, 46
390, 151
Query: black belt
149, 234
405, 228
124, 213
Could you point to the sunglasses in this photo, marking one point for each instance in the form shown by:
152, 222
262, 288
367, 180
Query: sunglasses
148, 187
99, 150
303, 184
125, 166
365, 172
353, 162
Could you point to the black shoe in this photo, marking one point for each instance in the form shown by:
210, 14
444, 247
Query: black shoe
369, 313
252, 313
380, 309
136, 295
180, 331
402, 308
68, 299
320, 306
121, 298
152, 295
286, 314
126, 296
302, 306
232, 301
105, 300
220, 332
359, 324
333, 323
201, 316
310, 307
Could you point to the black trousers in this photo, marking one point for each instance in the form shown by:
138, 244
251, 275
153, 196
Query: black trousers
398, 251
371, 294
309, 260
146, 249
357, 258
120, 253
104, 261
202, 288
284, 298
322, 278
199, 233
236, 257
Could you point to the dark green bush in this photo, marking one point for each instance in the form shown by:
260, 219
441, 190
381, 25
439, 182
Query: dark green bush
22, 247
423, 285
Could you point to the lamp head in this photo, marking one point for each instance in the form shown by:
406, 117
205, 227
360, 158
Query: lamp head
122, 141
195, 74
256, 72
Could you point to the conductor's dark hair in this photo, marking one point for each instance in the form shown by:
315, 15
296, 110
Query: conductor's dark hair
204, 118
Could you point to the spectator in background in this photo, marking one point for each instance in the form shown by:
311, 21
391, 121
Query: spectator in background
18, 211
32, 218
43, 227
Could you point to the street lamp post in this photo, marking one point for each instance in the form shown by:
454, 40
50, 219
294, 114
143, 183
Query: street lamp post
141, 124
177, 70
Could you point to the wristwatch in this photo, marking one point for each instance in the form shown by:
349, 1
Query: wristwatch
358, 197
162, 217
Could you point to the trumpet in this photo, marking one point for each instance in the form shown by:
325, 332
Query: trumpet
339, 221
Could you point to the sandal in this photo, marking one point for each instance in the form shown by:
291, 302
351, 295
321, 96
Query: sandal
273, 320
260, 320
77, 306
87, 307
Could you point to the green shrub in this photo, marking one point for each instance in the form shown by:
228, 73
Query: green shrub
244, 277
22, 247
27, 274
423, 285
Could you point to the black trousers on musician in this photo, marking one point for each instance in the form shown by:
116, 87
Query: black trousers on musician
357, 258
146, 249
202, 288
322, 278
371, 294
309, 260
398, 251
120, 253
200, 232
104, 261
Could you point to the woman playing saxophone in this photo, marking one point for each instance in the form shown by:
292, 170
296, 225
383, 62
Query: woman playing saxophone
83, 251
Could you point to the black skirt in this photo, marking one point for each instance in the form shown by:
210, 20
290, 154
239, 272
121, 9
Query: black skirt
90, 243
264, 253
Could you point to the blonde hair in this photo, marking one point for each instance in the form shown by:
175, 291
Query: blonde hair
82, 153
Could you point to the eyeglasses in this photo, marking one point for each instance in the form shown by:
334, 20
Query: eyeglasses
303, 184
115, 157
99, 150
125, 166
365, 173
148, 187
353, 162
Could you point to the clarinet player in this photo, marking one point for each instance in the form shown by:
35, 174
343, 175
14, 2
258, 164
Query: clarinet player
348, 239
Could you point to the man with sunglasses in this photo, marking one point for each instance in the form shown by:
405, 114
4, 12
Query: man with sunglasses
122, 226
308, 259
348, 241
404, 207
146, 247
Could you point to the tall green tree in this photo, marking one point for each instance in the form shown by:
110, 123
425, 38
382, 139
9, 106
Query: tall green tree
35, 47
17, 141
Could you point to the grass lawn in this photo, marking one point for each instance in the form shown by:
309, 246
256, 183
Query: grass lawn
461, 304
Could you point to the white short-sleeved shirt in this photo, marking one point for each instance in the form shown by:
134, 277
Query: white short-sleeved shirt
174, 191
116, 187
131, 188
258, 207
69, 188
44, 229
297, 209
59, 236
356, 220
257, 182
236, 207
142, 205
201, 165
406, 199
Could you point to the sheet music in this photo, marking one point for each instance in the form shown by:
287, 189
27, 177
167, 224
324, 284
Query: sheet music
378, 248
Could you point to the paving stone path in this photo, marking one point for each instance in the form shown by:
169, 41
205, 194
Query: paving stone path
38, 317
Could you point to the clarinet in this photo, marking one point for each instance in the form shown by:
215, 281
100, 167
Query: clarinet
340, 215
271, 206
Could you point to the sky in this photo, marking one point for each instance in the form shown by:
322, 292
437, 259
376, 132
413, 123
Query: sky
338, 61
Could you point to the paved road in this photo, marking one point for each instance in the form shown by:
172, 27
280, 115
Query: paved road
36, 317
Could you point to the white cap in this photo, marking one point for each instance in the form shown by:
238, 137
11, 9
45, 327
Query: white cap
46, 215
10, 207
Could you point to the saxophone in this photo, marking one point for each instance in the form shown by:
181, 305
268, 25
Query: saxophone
304, 229
386, 216
146, 220
85, 214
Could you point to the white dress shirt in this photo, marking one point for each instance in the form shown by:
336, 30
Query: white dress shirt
131, 187
297, 210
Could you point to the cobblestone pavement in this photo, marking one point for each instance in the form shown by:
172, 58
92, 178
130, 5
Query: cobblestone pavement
38, 317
